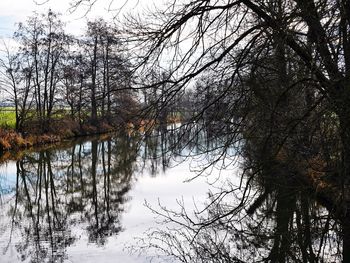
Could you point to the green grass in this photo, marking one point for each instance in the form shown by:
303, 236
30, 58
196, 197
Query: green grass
7, 117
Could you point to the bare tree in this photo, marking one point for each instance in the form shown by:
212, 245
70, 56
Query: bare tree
16, 82
43, 42
279, 69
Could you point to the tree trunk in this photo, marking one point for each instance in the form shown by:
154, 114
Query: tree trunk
93, 85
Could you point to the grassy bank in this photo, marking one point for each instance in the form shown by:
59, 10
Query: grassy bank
61, 127
18, 153
57, 130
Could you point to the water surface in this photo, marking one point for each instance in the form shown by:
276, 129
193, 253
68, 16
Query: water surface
84, 201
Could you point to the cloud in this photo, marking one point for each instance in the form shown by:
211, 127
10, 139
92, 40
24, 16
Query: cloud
14, 11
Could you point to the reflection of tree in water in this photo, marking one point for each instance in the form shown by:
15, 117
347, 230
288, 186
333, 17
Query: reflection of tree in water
286, 226
162, 148
59, 189
270, 216
158, 148
45, 232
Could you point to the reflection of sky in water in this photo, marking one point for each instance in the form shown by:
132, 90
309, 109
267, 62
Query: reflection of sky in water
7, 177
167, 187
96, 219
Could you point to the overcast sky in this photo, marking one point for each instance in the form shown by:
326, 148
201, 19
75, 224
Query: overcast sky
14, 11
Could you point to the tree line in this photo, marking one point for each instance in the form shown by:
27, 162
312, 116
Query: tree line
51, 74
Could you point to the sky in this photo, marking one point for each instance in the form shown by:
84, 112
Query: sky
14, 11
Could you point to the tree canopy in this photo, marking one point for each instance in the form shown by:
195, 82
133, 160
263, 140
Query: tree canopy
272, 78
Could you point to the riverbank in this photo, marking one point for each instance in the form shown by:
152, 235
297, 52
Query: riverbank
18, 154
59, 130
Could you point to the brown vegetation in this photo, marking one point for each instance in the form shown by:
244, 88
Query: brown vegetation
58, 130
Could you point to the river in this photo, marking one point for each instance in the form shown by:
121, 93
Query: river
94, 200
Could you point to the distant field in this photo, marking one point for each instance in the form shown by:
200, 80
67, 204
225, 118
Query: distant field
7, 117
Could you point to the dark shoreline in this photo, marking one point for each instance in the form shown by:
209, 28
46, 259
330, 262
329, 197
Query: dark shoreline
13, 142
17, 153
